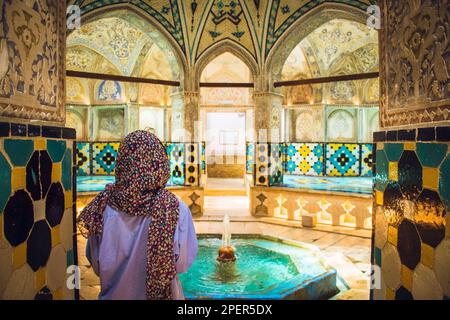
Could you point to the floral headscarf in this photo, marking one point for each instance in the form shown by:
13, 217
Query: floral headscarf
142, 172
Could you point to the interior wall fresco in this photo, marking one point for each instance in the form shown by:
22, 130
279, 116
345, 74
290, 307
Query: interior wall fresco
415, 70
32, 47
109, 123
332, 123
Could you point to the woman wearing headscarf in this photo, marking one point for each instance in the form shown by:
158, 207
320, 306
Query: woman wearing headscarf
140, 235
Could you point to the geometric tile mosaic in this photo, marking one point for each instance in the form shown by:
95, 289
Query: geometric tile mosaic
304, 159
366, 160
412, 197
310, 159
192, 164
275, 164
342, 159
104, 155
35, 183
249, 157
83, 158
175, 152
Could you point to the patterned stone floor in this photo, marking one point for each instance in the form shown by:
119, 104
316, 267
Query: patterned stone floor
347, 250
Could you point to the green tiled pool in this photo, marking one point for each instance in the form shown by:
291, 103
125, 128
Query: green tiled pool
361, 185
264, 269
94, 183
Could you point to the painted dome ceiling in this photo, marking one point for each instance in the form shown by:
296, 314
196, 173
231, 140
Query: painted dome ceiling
120, 45
330, 48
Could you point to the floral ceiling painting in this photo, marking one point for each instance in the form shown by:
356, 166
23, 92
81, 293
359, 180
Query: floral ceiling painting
337, 47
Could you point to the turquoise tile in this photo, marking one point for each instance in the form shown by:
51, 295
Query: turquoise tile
431, 154
382, 170
393, 151
70, 258
5, 182
19, 151
56, 149
377, 256
444, 182
67, 170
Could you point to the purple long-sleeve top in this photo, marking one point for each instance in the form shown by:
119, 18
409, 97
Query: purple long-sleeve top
119, 255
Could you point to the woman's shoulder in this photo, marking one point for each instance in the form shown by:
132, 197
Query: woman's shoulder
183, 206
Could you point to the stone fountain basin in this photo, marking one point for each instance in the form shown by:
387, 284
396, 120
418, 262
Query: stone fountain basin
266, 268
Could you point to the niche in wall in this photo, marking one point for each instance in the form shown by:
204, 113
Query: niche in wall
109, 123
76, 119
341, 125
152, 119
309, 125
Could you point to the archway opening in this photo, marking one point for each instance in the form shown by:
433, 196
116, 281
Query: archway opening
227, 117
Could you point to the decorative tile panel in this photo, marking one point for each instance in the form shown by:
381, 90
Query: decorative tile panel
366, 159
175, 152
261, 174
249, 157
192, 157
35, 198
275, 164
304, 159
104, 155
84, 158
411, 202
342, 159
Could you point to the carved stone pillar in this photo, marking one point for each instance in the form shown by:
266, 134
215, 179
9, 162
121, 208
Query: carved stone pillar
268, 116
185, 117
132, 117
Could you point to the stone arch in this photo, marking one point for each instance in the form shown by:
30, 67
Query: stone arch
159, 36
218, 49
301, 29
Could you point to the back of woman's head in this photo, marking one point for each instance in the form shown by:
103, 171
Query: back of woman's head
142, 163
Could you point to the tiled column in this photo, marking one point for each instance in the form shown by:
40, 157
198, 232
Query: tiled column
37, 188
268, 157
411, 244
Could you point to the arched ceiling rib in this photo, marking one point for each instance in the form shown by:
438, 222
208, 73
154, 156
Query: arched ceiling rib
196, 25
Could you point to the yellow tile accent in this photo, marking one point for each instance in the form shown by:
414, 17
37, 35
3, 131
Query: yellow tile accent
393, 171
430, 177
392, 235
407, 276
68, 201
40, 144
56, 239
1, 226
409, 146
18, 178
379, 197
40, 278
19, 255
390, 294
56, 172
427, 255
58, 294
380, 145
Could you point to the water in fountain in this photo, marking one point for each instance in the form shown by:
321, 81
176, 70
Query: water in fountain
226, 235
226, 251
